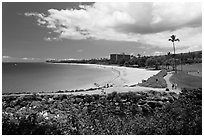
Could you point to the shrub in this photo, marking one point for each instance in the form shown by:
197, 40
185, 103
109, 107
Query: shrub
121, 114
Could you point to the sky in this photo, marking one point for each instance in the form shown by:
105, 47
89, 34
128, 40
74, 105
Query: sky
39, 31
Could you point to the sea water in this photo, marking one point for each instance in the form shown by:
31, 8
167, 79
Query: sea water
51, 77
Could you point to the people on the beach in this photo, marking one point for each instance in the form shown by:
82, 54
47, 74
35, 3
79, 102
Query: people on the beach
174, 86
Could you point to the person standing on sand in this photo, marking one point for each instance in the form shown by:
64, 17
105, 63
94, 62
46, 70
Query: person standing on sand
175, 86
172, 86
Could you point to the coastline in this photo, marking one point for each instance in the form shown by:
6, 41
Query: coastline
127, 76
123, 77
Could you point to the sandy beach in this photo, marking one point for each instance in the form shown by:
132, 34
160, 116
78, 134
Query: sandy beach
123, 76
121, 81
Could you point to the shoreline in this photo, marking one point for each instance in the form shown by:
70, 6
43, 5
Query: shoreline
123, 77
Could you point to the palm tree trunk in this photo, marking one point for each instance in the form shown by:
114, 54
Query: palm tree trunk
174, 58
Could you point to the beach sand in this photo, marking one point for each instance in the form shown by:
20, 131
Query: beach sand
123, 76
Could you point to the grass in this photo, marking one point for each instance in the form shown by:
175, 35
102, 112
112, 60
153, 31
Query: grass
185, 80
189, 76
191, 67
156, 81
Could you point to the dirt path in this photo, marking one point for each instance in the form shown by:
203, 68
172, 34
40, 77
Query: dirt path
169, 84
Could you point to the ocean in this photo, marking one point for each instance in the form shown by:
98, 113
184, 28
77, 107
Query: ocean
51, 77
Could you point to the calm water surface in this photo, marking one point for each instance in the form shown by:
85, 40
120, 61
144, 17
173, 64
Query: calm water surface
23, 77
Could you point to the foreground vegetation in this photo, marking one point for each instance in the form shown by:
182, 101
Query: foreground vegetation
113, 114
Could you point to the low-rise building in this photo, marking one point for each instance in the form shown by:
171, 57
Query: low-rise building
118, 57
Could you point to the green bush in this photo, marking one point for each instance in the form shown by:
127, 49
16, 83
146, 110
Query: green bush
113, 114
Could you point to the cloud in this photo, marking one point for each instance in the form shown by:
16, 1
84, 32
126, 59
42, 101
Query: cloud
51, 39
149, 23
47, 39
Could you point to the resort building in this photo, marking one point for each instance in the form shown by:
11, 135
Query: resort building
118, 57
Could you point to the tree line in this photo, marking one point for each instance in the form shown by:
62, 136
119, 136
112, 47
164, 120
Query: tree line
144, 61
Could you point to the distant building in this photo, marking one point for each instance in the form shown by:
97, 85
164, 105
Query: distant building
118, 57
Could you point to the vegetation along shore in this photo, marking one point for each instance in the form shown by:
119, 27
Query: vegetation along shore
151, 106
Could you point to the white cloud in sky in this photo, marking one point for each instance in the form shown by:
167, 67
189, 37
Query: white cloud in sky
147, 23
51, 39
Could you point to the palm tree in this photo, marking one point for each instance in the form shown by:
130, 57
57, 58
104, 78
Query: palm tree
173, 39
181, 57
139, 55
